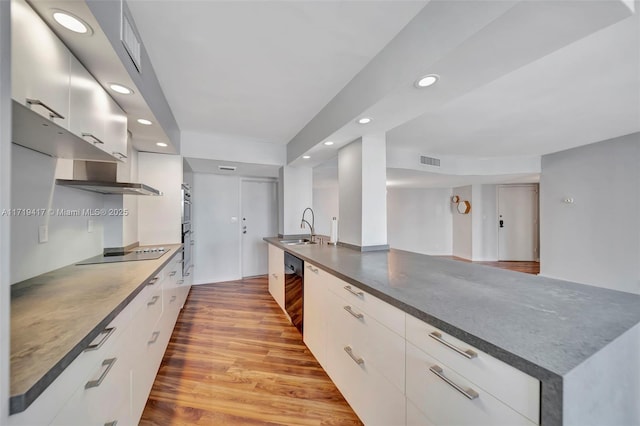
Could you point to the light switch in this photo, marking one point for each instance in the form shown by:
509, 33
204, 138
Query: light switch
90, 225
43, 234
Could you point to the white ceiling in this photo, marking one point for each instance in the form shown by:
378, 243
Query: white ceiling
261, 69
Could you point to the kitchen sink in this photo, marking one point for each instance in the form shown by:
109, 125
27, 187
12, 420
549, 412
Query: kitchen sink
300, 242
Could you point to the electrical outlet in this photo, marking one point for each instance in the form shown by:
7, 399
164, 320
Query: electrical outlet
43, 234
89, 225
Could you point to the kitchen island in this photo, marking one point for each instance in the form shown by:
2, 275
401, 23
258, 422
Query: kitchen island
57, 315
554, 331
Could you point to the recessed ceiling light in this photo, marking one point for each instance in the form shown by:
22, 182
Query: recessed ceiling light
162, 144
364, 120
427, 80
328, 143
144, 121
120, 89
306, 157
72, 23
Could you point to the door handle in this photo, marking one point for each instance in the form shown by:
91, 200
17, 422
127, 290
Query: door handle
501, 223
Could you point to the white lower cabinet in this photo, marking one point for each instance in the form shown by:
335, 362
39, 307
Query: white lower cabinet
415, 416
315, 312
110, 381
276, 274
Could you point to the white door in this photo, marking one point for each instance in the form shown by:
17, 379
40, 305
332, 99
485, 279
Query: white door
259, 220
518, 222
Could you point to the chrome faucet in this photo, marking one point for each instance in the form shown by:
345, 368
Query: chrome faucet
311, 225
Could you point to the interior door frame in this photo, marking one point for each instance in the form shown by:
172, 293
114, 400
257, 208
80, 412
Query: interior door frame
534, 185
241, 245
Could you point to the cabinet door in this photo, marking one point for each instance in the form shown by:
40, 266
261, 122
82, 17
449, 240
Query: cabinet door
115, 133
88, 106
39, 64
276, 274
315, 312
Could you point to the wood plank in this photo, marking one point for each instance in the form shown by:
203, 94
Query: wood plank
234, 358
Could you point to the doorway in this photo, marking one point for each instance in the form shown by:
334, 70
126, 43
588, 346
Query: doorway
259, 219
518, 224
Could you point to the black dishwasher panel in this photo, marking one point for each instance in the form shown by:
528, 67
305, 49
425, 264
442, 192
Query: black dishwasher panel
293, 288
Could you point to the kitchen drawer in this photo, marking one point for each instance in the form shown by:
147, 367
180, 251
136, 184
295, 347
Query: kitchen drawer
515, 388
149, 313
105, 393
415, 417
373, 398
380, 347
385, 313
443, 404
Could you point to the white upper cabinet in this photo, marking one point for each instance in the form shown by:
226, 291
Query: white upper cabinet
115, 129
39, 64
88, 106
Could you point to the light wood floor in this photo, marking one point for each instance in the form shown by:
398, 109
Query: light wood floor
526, 267
234, 359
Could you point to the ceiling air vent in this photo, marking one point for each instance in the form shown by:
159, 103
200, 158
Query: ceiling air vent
130, 39
227, 168
429, 161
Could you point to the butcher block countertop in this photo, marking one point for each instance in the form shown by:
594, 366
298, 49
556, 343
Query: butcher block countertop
54, 316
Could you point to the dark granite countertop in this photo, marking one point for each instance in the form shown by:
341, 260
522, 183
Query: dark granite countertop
54, 316
541, 326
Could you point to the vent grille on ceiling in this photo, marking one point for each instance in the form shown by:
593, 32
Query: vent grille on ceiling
227, 168
429, 161
130, 41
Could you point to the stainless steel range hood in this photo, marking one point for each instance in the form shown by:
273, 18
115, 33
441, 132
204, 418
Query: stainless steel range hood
100, 177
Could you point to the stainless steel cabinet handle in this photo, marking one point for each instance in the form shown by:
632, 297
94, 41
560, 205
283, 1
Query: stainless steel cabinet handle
113, 423
172, 273
95, 139
153, 281
119, 154
154, 337
312, 269
153, 301
469, 354
179, 282
355, 314
173, 299
352, 291
52, 113
469, 393
95, 383
107, 332
357, 360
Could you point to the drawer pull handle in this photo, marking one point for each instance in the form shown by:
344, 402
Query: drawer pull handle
107, 332
468, 393
153, 301
95, 383
355, 314
153, 281
154, 337
469, 354
352, 291
357, 360
119, 154
52, 113
92, 136
180, 282
113, 423
173, 273
173, 298
312, 269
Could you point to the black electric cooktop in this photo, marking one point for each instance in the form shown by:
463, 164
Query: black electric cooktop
146, 253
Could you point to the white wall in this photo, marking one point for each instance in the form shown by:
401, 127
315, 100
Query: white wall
295, 193
374, 190
420, 220
350, 198
5, 200
462, 225
595, 240
325, 207
34, 187
159, 218
216, 221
